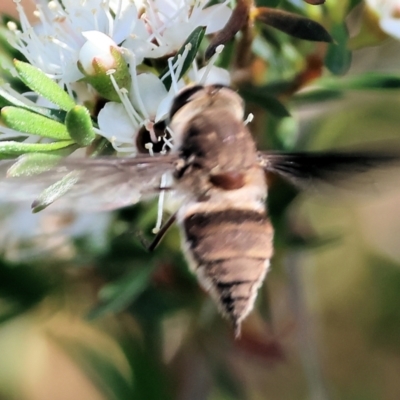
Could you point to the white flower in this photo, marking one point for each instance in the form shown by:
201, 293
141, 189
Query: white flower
24, 235
146, 103
388, 12
170, 22
161, 28
73, 32
54, 44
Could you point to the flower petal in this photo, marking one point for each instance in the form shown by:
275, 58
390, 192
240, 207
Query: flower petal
214, 17
164, 107
115, 123
152, 92
391, 26
125, 23
215, 76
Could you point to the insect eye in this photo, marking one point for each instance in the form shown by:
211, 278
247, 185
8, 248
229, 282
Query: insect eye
183, 98
143, 138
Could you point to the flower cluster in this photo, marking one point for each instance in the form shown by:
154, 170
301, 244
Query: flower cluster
112, 50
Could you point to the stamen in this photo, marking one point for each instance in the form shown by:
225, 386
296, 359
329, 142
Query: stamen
12, 26
167, 143
40, 15
95, 20
170, 71
117, 145
173, 77
149, 147
110, 19
151, 18
136, 92
170, 20
63, 45
181, 60
178, 65
195, 70
122, 94
197, 8
149, 125
160, 207
25, 25
249, 119
53, 5
211, 63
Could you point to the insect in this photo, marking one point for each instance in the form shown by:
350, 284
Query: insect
219, 175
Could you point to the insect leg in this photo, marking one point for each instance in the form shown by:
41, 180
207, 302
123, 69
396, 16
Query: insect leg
160, 234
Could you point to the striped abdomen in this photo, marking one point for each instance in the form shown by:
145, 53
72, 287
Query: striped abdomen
230, 251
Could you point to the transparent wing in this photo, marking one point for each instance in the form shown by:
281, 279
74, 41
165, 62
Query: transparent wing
309, 168
90, 184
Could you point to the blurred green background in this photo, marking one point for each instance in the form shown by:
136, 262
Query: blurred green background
87, 313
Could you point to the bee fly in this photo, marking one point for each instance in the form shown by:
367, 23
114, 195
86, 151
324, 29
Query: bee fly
220, 176
227, 235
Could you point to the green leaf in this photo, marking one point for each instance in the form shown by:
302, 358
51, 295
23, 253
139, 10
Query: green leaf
259, 96
293, 24
369, 80
297, 242
118, 295
338, 57
317, 95
194, 41
7, 99
35, 79
55, 191
33, 164
278, 87
79, 125
267, 3
11, 148
384, 328
29, 122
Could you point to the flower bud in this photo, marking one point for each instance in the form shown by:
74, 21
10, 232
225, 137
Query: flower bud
97, 58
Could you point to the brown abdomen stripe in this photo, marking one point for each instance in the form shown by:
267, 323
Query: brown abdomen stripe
231, 250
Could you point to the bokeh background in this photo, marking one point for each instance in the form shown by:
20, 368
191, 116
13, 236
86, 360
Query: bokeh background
87, 313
